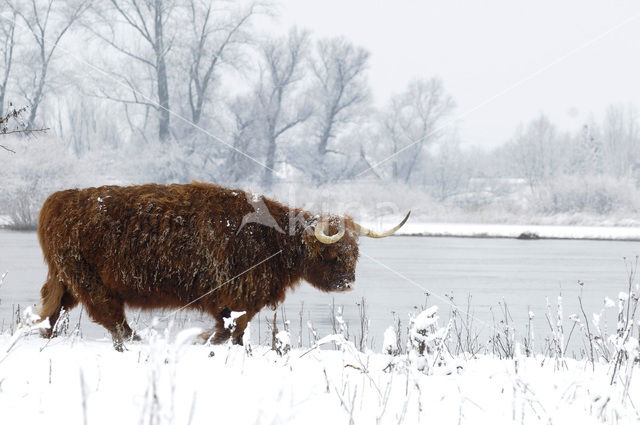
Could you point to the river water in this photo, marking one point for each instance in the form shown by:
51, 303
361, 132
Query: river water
401, 275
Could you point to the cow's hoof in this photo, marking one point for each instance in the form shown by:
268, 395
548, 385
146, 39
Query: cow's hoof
119, 346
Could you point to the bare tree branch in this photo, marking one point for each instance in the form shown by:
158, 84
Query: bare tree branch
283, 59
47, 41
8, 44
208, 53
19, 128
148, 19
340, 86
409, 121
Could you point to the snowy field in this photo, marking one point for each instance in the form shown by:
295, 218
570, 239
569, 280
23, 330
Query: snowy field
167, 380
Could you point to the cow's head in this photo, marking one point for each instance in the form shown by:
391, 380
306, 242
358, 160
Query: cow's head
332, 251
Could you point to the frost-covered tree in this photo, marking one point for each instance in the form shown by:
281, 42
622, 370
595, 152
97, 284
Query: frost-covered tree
143, 32
34, 171
340, 88
583, 151
534, 151
7, 45
411, 122
217, 30
448, 169
240, 163
621, 140
47, 21
277, 103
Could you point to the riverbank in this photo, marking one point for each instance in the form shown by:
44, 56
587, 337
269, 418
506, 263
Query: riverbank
621, 230
481, 230
521, 231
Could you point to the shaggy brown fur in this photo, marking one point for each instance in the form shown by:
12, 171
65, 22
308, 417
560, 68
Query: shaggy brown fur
155, 246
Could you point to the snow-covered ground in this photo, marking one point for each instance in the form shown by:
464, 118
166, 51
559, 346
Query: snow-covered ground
514, 231
168, 380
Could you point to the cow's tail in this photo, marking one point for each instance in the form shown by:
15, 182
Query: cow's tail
52, 292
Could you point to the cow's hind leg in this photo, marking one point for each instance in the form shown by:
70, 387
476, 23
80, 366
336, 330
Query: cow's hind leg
107, 309
55, 297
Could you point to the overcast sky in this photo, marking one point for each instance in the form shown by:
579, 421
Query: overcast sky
568, 58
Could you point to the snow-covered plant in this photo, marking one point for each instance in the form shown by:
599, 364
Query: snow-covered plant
246, 340
365, 323
556, 342
529, 340
29, 323
426, 341
389, 343
61, 327
161, 362
598, 336
503, 337
283, 340
623, 344
337, 321
313, 332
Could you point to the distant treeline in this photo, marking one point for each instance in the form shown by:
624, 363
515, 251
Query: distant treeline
196, 89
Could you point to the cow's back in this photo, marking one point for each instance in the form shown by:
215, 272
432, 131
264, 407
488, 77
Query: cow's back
148, 243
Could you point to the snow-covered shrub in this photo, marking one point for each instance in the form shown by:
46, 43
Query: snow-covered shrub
28, 323
283, 342
340, 326
40, 166
598, 194
624, 344
389, 342
426, 342
246, 340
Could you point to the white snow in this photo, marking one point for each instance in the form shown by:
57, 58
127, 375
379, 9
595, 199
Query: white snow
389, 343
230, 322
165, 380
283, 338
426, 318
511, 230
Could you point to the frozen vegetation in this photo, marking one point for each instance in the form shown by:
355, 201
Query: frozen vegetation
134, 92
286, 113
435, 370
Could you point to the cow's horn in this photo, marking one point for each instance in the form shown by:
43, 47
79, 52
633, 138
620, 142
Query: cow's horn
366, 232
323, 237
